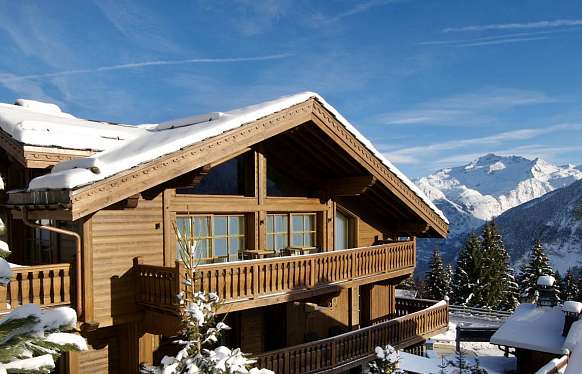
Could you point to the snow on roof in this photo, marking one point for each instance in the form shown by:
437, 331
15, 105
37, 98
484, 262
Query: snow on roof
42, 124
168, 137
572, 306
546, 280
533, 328
575, 361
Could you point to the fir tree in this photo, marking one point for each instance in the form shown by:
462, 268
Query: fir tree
569, 287
538, 264
489, 289
437, 280
465, 275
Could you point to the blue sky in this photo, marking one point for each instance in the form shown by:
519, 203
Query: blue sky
432, 83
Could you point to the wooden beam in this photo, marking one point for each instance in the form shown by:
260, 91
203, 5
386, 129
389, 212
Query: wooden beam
349, 186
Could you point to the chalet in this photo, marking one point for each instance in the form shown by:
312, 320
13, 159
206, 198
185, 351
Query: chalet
543, 335
302, 227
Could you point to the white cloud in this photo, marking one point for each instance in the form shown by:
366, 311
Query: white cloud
466, 109
13, 78
417, 153
360, 7
518, 26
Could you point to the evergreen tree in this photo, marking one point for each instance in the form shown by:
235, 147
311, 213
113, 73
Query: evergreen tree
465, 275
509, 298
449, 279
489, 290
437, 280
538, 264
569, 287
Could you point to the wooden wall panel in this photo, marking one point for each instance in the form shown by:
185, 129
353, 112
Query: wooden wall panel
118, 237
367, 234
252, 331
317, 322
377, 301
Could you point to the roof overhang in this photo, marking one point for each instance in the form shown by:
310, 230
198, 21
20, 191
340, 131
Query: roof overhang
35, 157
98, 195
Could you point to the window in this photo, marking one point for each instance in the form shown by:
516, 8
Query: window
303, 230
342, 231
280, 183
277, 231
215, 237
300, 228
233, 177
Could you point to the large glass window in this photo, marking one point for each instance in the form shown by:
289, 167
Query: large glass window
277, 231
291, 230
342, 231
213, 237
233, 177
303, 230
280, 183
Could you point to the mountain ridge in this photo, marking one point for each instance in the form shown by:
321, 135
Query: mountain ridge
485, 188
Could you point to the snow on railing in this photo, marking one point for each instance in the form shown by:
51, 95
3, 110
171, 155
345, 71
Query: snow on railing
555, 366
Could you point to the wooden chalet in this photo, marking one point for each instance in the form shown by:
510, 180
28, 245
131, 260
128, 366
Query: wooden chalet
303, 229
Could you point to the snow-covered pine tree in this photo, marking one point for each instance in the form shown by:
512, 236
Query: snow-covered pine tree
386, 361
201, 330
449, 278
437, 279
32, 339
509, 298
465, 274
569, 287
538, 264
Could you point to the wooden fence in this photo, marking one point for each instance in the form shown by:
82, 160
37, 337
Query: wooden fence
341, 352
45, 285
245, 280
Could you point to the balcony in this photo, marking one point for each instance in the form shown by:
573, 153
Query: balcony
253, 283
45, 285
419, 319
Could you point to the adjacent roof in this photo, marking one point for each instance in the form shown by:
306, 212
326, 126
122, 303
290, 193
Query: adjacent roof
42, 124
124, 148
534, 328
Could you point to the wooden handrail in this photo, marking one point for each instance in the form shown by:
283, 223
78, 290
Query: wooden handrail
343, 350
46, 285
555, 366
245, 280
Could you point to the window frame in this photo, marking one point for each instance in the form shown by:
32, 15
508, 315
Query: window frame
290, 230
211, 237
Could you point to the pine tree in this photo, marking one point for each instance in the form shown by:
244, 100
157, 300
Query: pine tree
509, 298
569, 289
538, 264
437, 280
465, 275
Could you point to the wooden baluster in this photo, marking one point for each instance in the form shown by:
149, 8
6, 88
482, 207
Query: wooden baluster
25, 288
4, 296
255, 279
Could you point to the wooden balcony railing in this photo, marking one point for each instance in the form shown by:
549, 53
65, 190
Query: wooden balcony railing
339, 353
45, 285
247, 280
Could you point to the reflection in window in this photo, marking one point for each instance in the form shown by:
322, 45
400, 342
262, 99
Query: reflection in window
281, 184
214, 238
233, 177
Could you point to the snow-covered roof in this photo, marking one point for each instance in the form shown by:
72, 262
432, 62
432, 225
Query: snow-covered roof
43, 124
572, 306
140, 144
417, 364
123, 147
546, 280
533, 328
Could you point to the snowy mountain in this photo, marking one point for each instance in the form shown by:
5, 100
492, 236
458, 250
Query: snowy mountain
555, 218
485, 188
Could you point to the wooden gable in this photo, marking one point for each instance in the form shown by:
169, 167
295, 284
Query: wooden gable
369, 174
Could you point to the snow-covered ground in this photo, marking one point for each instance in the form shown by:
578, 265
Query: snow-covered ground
490, 356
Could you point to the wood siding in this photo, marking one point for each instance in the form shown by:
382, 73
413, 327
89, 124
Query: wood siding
367, 234
118, 237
